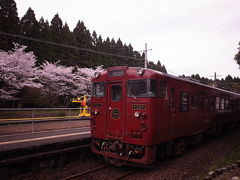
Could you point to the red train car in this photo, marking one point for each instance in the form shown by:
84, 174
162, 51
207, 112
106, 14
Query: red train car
139, 114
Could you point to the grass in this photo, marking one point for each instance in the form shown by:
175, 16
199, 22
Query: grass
230, 159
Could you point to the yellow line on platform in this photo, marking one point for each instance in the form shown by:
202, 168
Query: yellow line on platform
22, 119
43, 138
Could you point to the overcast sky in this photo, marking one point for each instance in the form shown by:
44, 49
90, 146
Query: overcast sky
187, 36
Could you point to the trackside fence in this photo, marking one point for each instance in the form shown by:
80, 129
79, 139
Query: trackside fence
23, 120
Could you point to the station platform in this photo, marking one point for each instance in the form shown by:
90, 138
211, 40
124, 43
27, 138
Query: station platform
19, 142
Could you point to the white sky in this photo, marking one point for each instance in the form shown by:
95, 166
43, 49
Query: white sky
187, 36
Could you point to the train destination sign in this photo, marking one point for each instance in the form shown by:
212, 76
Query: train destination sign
138, 106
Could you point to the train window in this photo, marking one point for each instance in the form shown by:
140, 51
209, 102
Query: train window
152, 92
163, 89
183, 101
222, 104
226, 106
206, 103
137, 88
116, 92
142, 88
194, 100
217, 103
238, 104
201, 100
98, 89
212, 107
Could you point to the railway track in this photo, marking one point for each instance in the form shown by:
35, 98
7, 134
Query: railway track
39, 157
114, 173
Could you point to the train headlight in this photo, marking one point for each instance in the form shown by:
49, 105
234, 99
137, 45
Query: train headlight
140, 71
137, 114
97, 74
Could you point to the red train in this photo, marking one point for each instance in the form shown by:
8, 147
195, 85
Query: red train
139, 114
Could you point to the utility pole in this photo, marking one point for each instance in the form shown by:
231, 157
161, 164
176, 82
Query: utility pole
215, 79
145, 55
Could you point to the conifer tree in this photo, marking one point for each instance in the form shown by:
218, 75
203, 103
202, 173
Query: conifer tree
29, 27
107, 48
83, 40
94, 38
237, 56
69, 55
100, 59
56, 32
8, 23
44, 34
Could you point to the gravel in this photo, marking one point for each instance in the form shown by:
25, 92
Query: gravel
192, 165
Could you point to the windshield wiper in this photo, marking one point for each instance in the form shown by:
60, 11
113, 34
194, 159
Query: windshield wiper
131, 94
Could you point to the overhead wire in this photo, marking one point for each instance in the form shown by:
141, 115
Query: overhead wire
69, 46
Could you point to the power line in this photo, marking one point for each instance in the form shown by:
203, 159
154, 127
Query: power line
69, 46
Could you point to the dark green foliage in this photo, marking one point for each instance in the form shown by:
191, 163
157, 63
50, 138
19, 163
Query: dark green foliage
8, 23
83, 40
44, 34
29, 27
157, 66
237, 56
59, 32
229, 83
56, 33
68, 38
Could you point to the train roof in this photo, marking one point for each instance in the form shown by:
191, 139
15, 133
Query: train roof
194, 81
189, 80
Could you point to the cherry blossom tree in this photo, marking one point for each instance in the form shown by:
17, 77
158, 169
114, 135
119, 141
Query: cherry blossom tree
16, 71
65, 81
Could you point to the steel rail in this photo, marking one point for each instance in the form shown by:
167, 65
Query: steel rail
85, 172
124, 175
21, 159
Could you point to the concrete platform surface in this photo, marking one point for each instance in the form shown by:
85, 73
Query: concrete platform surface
29, 140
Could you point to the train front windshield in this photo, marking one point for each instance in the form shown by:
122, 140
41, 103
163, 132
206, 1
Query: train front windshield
98, 89
142, 88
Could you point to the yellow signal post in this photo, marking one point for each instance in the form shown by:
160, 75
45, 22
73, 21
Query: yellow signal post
84, 108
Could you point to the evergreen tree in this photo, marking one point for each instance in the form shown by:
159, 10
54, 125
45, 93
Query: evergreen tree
29, 27
164, 69
56, 33
8, 23
237, 56
69, 55
83, 40
228, 79
94, 38
107, 48
130, 51
99, 59
44, 52
114, 60
95, 57
120, 51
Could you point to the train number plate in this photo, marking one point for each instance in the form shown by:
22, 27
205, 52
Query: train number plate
138, 106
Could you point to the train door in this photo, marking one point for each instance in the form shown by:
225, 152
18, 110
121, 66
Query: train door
172, 112
115, 110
